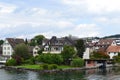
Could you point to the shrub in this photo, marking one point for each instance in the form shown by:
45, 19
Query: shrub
45, 66
11, 62
56, 59
19, 60
99, 55
78, 62
53, 66
50, 58
30, 61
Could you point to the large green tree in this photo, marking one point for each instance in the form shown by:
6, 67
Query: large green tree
67, 54
80, 46
37, 40
21, 51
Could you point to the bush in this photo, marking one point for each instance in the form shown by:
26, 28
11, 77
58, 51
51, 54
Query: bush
78, 62
50, 58
19, 60
116, 59
45, 66
53, 66
56, 59
11, 62
30, 61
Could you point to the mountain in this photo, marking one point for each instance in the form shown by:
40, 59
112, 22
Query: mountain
113, 36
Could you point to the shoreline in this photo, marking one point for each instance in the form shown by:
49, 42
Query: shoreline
50, 71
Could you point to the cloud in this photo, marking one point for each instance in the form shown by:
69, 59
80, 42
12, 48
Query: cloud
73, 17
108, 21
6, 8
94, 6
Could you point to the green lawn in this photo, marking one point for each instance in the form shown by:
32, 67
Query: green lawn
40, 68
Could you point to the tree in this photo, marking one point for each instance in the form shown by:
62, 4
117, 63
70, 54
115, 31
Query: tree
80, 47
67, 54
99, 55
26, 41
37, 40
117, 58
1, 42
21, 50
40, 51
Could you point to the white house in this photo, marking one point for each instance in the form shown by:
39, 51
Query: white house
55, 45
113, 51
35, 50
9, 45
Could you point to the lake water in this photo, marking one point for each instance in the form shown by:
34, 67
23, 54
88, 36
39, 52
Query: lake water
93, 74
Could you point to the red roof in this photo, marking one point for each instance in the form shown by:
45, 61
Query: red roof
113, 49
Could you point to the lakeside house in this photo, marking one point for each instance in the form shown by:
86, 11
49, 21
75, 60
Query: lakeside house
113, 50
36, 49
55, 45
9, 45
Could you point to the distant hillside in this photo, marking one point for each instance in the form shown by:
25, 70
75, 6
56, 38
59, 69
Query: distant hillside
113, 36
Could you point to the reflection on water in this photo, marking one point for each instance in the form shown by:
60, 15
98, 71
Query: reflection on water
93, 74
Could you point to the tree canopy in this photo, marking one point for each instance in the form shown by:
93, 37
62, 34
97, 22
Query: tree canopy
1, 42
22, 51
80, 47
37, 40
99, 55
67, 53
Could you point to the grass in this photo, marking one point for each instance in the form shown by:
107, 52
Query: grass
40, 68
30, 66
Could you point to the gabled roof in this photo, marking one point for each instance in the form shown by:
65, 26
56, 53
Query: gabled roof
60, 41
113, 49
14, 41
105, 42
102, 49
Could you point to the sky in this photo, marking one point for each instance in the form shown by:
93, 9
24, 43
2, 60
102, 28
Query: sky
81, 18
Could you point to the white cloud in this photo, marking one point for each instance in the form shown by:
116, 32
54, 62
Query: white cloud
87, 30
31, 21
6, 8
94, 6
108, 20
102, 19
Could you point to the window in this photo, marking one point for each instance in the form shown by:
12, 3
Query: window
8, 48
4, 53
4, 48
8, 53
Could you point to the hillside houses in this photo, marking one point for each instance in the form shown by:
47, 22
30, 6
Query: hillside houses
55, 46
109, 46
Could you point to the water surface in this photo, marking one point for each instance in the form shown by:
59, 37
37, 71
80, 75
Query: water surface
93, 74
